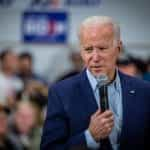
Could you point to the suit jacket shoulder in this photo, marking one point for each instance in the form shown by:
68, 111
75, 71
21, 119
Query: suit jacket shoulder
68, 84
134, 81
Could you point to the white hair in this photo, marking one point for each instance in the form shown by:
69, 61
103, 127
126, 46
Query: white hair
102, 20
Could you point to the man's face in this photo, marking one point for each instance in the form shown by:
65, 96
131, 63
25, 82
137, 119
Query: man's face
25, 65
11, 62
98, 51
25, 118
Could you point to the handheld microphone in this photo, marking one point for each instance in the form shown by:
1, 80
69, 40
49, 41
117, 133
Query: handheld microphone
102, 85
104, 98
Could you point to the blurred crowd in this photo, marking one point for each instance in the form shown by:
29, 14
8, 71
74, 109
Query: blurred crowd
134, 66
24, 94
23, 98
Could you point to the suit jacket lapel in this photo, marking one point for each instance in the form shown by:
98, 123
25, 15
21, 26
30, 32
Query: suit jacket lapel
90, 102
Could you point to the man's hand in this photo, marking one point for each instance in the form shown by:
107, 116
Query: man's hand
101, 124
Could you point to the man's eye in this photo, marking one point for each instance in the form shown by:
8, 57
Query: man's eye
102, 48
88, 49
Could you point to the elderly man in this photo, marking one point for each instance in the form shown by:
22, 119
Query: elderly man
76, 118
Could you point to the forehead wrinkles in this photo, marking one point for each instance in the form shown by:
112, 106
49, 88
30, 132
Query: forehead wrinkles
97, 32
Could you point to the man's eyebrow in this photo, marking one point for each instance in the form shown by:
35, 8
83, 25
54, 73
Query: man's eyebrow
88, 47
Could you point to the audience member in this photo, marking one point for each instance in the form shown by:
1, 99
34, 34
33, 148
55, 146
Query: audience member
127, 66
23, 124
6, 142
26, 72
77, 63
9, 83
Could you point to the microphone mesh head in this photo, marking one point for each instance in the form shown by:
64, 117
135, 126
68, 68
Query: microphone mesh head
102, 80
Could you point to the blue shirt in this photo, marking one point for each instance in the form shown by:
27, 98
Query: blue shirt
115, 105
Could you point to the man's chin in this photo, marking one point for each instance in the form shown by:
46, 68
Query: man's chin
97, 74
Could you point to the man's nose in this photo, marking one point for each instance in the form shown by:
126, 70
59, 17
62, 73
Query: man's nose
96, 55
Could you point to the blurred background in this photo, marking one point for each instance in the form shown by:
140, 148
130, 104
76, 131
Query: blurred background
39, 46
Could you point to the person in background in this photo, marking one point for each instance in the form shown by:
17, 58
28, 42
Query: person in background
76, 60
35, 87
25, 71
128, 66
75, 118
132, 66
6, 142
23, 124
10, 84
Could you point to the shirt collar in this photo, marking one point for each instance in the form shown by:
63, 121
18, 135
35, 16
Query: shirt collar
93, 82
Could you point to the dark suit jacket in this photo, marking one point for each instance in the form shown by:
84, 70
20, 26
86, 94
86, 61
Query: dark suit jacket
71, 104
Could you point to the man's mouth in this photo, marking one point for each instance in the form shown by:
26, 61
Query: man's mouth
97, 67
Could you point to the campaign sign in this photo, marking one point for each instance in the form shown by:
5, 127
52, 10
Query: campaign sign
45, 27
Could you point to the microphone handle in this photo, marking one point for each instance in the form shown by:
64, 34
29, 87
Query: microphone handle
104, 98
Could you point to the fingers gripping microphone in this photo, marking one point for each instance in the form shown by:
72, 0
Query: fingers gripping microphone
102, 85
